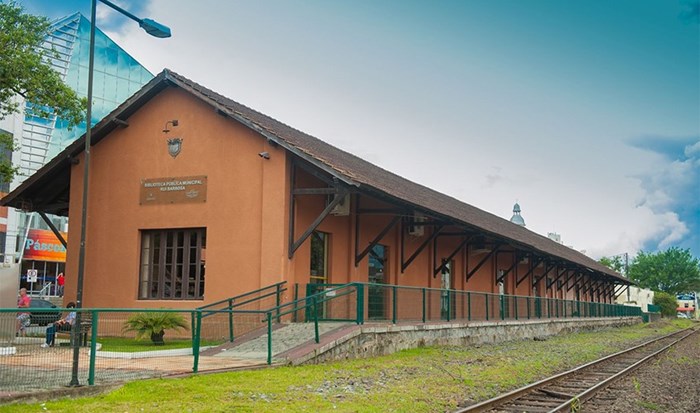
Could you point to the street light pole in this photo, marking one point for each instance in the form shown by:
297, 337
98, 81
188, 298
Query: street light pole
627, 274
154, 29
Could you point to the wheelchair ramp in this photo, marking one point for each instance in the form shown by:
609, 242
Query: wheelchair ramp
285, 338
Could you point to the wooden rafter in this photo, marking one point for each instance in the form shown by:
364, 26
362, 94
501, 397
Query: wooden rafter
426, 242
506, 272
53, 229
533, 266
375, 241
482, 262
441, 267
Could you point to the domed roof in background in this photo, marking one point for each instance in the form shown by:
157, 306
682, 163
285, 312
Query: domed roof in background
517, 219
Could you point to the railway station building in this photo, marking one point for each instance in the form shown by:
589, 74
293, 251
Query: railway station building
194, 198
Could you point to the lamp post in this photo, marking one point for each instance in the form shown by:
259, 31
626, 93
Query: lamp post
154, 29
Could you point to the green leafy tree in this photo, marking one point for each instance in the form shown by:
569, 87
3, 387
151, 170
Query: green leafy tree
673, 271
667, 302
24, 72
615, 263
7, 145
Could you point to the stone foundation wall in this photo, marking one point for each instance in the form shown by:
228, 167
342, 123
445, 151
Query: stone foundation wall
371, 340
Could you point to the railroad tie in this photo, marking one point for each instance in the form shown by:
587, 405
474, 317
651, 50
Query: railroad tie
556, 394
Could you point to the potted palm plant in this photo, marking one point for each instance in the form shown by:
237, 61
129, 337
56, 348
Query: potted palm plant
153, 325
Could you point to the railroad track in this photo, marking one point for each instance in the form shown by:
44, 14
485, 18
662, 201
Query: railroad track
567, 391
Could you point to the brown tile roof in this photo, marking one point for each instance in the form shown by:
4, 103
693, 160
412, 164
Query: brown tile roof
351, 169
365, 173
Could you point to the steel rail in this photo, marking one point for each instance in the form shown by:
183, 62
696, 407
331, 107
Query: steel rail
517, 393
586, 395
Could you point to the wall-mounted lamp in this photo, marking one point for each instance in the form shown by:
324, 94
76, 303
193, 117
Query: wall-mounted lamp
173, 122
264, 155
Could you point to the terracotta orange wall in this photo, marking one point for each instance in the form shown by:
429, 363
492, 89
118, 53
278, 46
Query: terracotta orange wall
243, 250
342, 247
245, 215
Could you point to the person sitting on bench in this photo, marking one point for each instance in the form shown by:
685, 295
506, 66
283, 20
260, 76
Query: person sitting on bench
63, 324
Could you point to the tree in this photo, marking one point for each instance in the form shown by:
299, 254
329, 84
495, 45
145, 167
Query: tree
24, 72
673, 271
615, 263
667, 302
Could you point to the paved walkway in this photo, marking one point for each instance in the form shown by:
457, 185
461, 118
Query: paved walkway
32, 367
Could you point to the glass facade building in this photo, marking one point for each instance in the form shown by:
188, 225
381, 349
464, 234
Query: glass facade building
116, 77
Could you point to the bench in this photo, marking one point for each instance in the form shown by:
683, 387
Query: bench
83, 331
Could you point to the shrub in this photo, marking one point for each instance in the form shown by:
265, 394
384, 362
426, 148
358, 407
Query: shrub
153, 325
667, 302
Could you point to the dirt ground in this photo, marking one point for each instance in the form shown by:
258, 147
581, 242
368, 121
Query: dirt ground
669, 384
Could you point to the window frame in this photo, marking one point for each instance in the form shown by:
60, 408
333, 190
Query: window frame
324, 238
178, 251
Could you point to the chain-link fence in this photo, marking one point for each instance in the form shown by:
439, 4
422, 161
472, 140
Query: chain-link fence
104, 345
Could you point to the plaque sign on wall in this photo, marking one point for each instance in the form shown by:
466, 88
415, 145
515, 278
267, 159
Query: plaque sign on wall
179, 190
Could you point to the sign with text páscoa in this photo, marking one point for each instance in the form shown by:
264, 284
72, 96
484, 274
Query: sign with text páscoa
179, 190
42, 245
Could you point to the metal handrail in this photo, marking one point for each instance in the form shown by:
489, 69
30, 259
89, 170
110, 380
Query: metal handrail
226, 300
42, 292
311, 301
472, 293
318, 294
306, 299
230, 303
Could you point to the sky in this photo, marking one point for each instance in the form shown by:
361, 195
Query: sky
587, 113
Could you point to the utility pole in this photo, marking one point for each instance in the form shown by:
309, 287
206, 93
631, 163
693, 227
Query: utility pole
627, 274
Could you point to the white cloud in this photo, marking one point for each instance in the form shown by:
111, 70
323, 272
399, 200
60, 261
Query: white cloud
693, 151
105, 14
565, 161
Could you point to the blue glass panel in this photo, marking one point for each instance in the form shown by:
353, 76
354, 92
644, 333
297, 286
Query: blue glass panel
117, 76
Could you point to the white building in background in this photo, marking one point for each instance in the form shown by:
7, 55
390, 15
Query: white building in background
554, 237
637, 296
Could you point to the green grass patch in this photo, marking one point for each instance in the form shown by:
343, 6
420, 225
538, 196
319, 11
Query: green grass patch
649, 405
130, 345
683, 322
431, 379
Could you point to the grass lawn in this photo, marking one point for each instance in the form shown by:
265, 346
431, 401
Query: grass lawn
130, 345
431, 379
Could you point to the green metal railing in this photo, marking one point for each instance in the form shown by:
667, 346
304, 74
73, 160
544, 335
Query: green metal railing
403, 303
314, 307
104, 346
261, 310
257, 298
